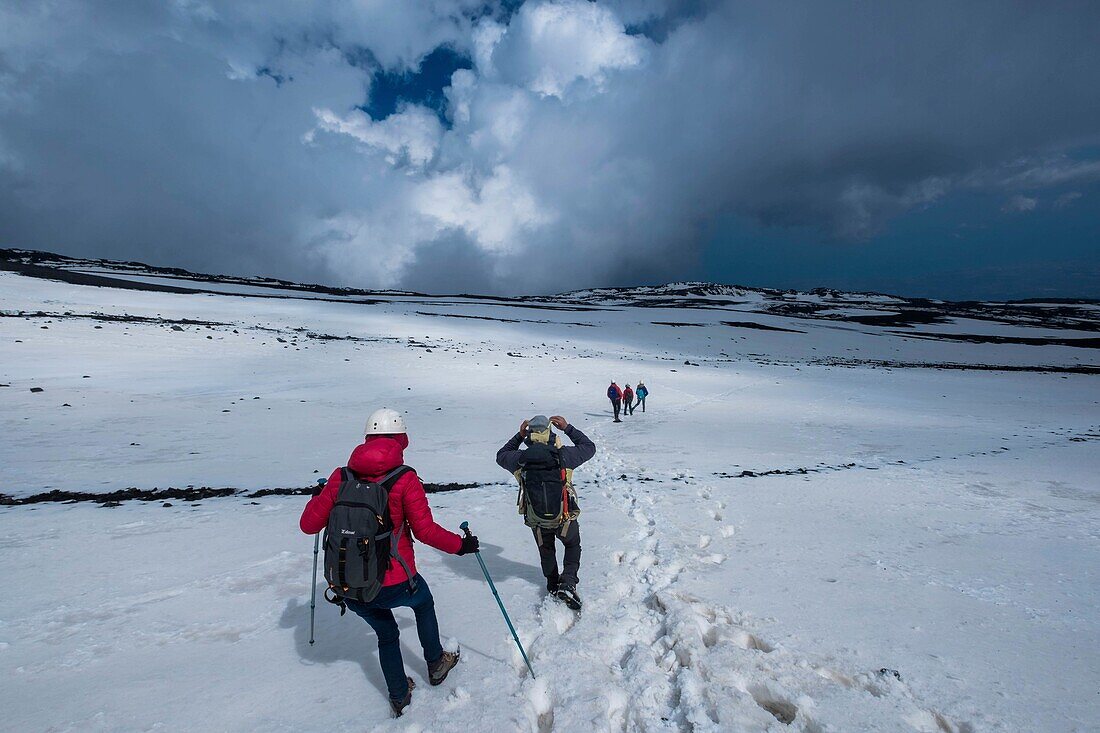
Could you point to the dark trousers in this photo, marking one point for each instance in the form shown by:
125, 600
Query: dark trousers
571, 564
641, 401
628, 408
379, 615
616, 404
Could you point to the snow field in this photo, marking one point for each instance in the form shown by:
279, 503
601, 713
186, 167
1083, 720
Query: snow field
758, 547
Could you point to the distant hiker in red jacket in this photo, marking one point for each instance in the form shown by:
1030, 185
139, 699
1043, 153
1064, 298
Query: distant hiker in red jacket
628, 400
379, 455
616, 396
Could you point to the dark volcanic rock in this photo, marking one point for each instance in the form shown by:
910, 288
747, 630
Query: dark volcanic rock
901, 318
112, 498
189, 494
1081, 343
758, 326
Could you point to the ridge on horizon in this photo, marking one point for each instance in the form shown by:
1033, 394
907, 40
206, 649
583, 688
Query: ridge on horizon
57, 262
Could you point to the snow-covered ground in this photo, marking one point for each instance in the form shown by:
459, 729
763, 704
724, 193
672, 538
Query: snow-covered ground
795, 514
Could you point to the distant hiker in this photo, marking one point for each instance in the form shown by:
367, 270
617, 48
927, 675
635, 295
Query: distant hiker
616, 396
628, 400
363, 509
547, 501
642, 393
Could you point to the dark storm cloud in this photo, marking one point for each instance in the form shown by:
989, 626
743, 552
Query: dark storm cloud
588, 144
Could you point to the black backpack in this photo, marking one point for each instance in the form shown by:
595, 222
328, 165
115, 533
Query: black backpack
546, 497
360, 539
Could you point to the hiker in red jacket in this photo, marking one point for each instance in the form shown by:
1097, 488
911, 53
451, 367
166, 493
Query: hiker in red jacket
628, 399
381, 453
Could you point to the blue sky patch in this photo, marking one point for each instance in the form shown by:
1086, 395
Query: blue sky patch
389, 89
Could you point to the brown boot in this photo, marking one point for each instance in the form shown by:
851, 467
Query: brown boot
398, 706
437, 672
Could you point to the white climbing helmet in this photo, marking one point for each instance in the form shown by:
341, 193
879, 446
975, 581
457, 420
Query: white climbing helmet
385, 422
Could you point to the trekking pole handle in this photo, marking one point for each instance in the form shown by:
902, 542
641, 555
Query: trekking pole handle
465, 527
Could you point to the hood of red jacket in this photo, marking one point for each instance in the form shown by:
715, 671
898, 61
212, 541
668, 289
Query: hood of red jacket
378, 455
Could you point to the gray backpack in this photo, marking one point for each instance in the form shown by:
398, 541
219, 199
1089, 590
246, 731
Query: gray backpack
360, 539
546, 499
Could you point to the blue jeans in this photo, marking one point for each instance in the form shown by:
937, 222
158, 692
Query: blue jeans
379, 615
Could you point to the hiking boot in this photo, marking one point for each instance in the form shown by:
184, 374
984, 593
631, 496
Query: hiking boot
437, 672
398, 706
568, 595
552, 585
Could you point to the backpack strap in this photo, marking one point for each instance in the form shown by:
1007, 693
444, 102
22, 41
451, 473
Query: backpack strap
346, 476
396, 555
391, 478
388, 481
335, 600
564, 495
341, 564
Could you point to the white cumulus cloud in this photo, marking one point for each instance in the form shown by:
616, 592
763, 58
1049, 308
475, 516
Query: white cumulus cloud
549, 46
411, 135
495, 212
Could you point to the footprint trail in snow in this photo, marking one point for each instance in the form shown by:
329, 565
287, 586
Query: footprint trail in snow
644, 655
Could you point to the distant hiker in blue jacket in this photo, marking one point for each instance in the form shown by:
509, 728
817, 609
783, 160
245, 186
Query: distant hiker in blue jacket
616, 396
641, 392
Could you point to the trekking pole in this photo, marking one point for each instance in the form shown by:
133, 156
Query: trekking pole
465, 527
313, 593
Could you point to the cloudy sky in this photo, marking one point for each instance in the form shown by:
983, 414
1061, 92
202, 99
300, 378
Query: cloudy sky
932, 148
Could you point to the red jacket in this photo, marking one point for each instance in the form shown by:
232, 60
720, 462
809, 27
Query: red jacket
372, 460
628, 394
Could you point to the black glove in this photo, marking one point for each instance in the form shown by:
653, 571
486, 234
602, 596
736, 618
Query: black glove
469, 544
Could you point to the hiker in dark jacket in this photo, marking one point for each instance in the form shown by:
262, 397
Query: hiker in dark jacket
616, 396
381, 452
628, 400
535, 436
642, 392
